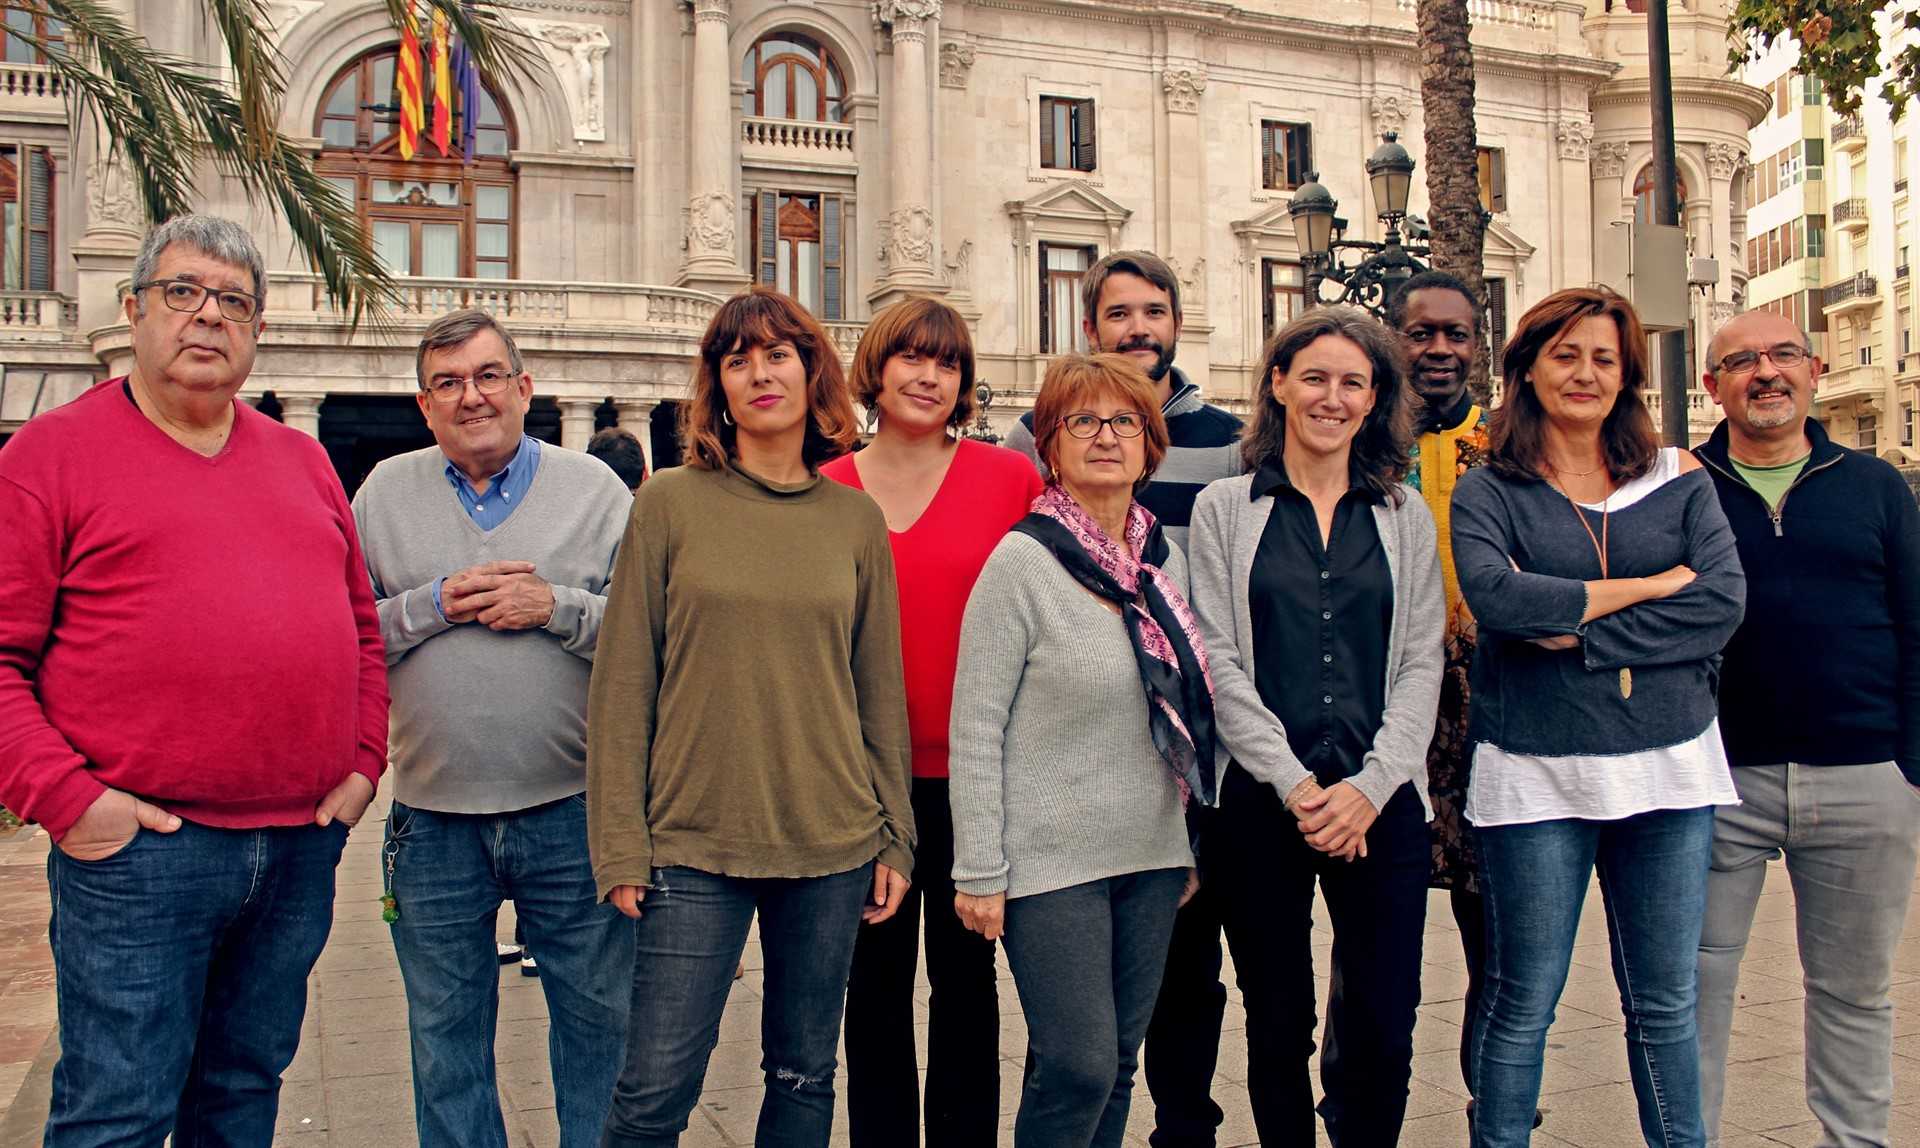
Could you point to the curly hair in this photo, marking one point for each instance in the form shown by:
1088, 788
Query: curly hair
762, 317
1382, 450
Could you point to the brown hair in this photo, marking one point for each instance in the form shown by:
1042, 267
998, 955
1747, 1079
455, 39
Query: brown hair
1145, 264
1382, 450
1516, 432
1074, 380
456, 329
920, 324
761, 317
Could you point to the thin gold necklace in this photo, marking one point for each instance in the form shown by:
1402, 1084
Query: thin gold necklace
1599, 548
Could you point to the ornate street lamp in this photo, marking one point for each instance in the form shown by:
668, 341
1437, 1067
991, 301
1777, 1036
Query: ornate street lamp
1371, 281
981, 430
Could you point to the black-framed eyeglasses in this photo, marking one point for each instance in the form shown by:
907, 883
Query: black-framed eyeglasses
1785, 356
186, 295
450, 388
1086, 424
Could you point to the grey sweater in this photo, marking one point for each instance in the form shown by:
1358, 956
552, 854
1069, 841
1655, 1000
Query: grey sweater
486, 722
1227, 524
1055, 780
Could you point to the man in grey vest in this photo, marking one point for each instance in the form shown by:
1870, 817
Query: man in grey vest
490, 553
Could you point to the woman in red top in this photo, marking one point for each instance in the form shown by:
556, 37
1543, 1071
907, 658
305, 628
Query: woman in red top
948, 502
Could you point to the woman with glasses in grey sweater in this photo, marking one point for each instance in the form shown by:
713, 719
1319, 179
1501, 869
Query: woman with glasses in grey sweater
1082, 724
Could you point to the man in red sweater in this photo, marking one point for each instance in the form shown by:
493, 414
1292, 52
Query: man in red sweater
193, 703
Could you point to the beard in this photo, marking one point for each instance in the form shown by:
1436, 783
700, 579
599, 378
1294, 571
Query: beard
1163, 361
1771, 418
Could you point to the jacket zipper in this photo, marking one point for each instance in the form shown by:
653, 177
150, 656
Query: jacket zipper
1774, 512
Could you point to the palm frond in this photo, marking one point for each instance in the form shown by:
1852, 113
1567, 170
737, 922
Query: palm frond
500, 50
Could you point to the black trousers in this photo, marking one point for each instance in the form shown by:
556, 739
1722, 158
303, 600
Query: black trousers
1265, 872
963, 1035
1470, 914
1183, 1040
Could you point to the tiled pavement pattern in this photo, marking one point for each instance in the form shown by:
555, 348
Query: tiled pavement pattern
350, 1086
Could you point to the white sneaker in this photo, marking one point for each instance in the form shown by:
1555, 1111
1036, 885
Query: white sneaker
528, 966
506, 953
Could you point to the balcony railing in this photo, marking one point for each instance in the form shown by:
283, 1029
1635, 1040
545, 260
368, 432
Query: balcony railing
671, 310
1900, 186
1860, 286
1528, 14
1847, 130
1849, 211
36, 313
798, 136
1900, 270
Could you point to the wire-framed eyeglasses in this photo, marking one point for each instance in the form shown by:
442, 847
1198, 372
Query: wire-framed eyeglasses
450, 388
1785, 356
186, 295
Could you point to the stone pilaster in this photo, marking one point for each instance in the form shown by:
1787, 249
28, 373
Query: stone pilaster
712, 245
576, 422
909, 236
301, 412
635, 416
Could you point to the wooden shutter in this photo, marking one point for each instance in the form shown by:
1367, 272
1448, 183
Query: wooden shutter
1046, 303
1497, 321
1266, 297
40, 221
768, 237
1046, 131
1302, 153
1499, 164
1085, 155
1268, 178
831, 261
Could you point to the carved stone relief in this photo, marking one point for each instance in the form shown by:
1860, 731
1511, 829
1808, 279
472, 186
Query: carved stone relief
1609, 160
1575, 135
1723, 160
907, 19
906, 238
284, 15
1390, 113
710, 224
1193, 283
960, 269
113, 204
956, 63
1183, 86
578, 54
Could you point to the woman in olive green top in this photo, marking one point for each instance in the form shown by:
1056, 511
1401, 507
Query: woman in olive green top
747, 728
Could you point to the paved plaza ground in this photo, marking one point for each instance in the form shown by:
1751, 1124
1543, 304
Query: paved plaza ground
350, 1086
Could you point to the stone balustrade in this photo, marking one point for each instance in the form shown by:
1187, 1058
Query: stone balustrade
801, 136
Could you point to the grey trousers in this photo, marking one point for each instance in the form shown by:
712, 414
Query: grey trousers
1087, 960
1850, 835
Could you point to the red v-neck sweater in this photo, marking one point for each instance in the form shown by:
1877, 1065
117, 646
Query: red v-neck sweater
987, 489
196, 631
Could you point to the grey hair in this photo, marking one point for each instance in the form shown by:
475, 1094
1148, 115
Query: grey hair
210, 235
454, 330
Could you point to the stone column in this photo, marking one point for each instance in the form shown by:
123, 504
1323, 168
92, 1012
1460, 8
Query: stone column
1183, 84
576, 422
1570, 255
301, 412
115, 219
636, 417
713, 258
908, 236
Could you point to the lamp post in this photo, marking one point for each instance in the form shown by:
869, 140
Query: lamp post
1384, 266
981, 430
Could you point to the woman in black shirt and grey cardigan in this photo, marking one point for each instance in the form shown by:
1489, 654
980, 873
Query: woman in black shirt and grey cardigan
1605, 581
1316, 582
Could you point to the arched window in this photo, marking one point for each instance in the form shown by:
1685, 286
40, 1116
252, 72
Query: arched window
446, 216
789, 77
1643, 197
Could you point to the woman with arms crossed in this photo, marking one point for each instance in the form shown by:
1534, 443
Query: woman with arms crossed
1605, 581
747, 740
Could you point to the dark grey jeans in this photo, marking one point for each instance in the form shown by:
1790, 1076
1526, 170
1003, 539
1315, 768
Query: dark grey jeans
1087, 960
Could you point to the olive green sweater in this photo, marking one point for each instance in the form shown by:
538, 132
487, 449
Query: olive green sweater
747, 714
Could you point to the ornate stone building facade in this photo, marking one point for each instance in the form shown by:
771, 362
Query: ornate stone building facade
853, 152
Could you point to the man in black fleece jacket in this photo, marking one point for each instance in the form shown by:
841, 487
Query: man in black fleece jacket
1820, 708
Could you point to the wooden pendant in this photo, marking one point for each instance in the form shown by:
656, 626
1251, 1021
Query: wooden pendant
1626, 682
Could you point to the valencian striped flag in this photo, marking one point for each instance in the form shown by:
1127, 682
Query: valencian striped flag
442, 86
407, 81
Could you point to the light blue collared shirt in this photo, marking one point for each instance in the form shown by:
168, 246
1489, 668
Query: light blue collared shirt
505, 491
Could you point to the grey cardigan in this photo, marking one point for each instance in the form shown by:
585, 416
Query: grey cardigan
1227, 524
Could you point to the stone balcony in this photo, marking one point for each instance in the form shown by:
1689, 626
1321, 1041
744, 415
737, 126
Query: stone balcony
1857, 292
32, 92
797, 144
1849, 133
1846, 386
1849, 214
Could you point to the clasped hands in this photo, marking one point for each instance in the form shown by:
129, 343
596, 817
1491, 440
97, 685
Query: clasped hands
1335, 818
499, 596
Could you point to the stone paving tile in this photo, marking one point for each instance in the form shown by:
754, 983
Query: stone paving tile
350, 1086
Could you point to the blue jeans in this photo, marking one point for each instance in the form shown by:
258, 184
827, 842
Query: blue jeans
181, 967
1653, 879
693, 928
451, 871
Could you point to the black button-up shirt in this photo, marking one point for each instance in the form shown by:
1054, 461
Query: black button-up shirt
1321, 619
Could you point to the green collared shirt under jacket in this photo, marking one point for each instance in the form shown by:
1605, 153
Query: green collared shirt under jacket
747, 714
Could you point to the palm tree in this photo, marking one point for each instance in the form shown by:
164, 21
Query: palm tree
1458, 220
162, 114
